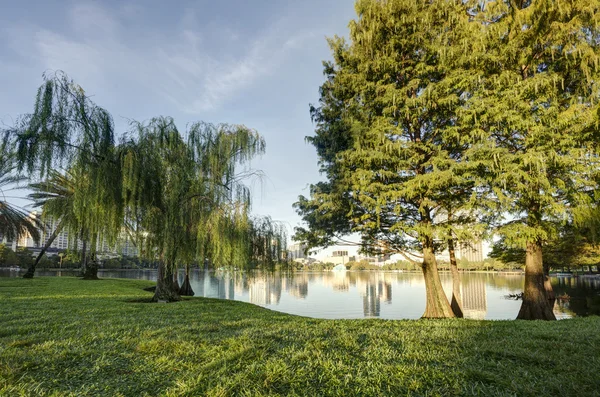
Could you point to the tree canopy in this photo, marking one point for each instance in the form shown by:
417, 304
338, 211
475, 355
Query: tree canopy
181, 195
442, 119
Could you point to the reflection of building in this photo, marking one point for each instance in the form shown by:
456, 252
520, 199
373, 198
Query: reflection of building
338, 281
371, 302
298, 286
386, 291
265, 290
474, 299
375, 289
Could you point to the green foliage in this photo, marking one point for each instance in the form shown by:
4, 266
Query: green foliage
24, 257
100, 338
65, 128
179, 195
536, 98
7, 256
386, 131
319, 266
46, 262
401, 265
362, 265
185, 197
572, 247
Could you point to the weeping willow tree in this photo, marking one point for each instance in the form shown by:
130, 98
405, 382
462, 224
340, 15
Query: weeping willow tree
181, 194
185, 194
66, 130
268, 243
70, 204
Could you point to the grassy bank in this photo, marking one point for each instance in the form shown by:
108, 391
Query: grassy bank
66, 337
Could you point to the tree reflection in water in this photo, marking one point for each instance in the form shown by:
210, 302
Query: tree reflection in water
357, 294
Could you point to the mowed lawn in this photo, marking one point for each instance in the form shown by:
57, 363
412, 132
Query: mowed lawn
68, 337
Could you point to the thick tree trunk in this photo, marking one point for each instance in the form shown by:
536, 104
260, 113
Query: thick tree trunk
186, 287
90, 272
456, 303
536, 305
31, 269
437, 305
165, 287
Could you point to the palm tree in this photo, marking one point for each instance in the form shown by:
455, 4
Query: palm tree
56, 197
14, 221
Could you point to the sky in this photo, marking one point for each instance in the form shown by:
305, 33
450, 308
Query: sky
257, 63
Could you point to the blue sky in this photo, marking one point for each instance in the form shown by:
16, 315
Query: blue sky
256, 63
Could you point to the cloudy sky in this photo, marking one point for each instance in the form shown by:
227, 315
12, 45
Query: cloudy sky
256, 63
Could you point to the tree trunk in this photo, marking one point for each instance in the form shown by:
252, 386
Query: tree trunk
437, 305
186, 287
176, 279
536, 305
31, 269
548, 286
90, 272
83, 256
165, 287
456, 303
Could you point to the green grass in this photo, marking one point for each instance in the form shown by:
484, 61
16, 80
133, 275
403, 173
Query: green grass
67, 337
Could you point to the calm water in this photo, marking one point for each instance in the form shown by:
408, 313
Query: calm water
389, 295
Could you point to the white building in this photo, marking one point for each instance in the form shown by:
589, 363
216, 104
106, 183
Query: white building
297, 251
124, 245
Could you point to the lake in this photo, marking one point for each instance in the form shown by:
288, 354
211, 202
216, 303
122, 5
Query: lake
371, 294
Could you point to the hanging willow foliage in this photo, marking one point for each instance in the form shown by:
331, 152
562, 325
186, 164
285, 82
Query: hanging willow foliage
66, 130
184, 194
180, 194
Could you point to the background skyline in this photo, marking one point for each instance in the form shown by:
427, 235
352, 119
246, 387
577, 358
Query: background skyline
252, 63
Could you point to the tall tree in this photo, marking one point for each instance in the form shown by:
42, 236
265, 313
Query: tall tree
67, 130
186, 193
55, 197
387, 136
537, 100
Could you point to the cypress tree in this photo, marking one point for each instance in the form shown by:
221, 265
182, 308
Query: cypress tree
537, 100
387, 135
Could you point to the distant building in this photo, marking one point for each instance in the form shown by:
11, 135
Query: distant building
378, 260
472, 251
63, 241
297, 251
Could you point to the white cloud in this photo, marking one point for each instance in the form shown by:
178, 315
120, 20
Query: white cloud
185, 66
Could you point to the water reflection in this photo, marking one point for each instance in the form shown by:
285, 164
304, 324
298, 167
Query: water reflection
578, 295
389, 295
474, 297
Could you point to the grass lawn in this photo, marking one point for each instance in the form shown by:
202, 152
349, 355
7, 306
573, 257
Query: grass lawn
68, 337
